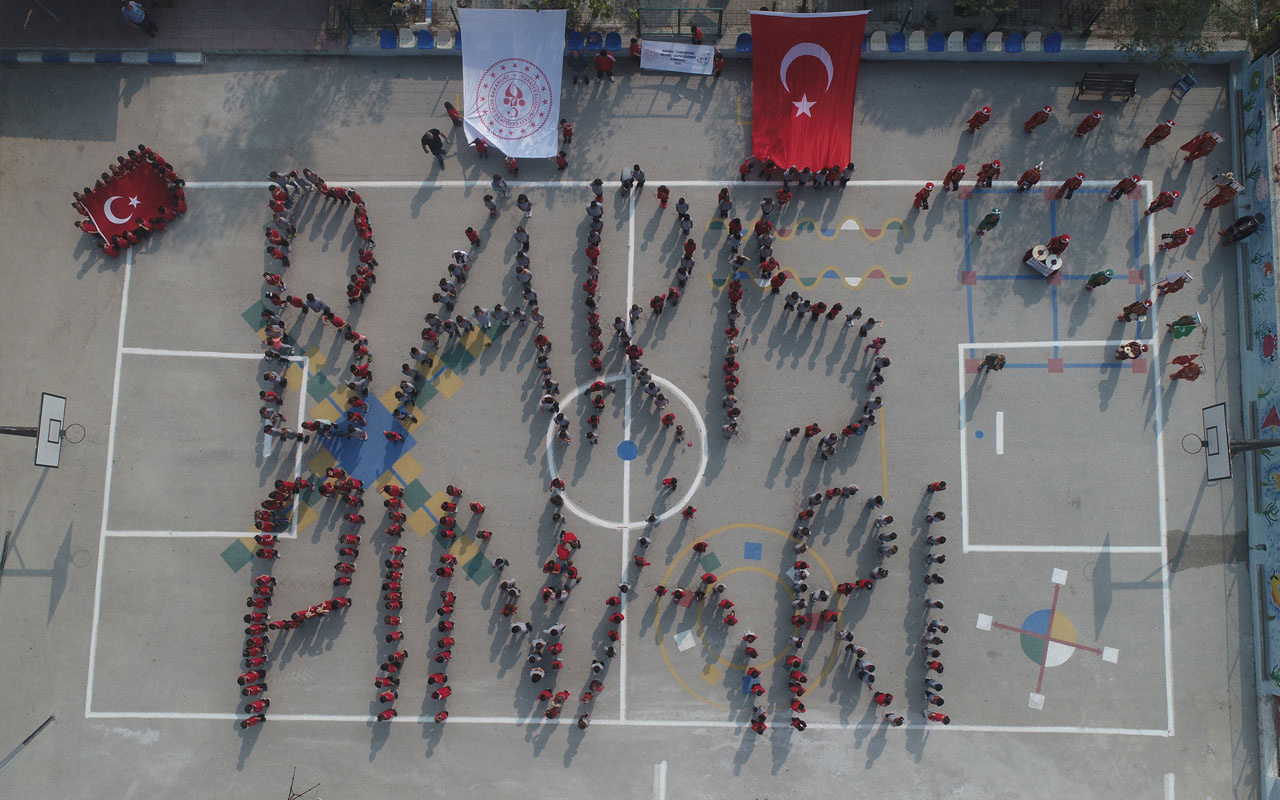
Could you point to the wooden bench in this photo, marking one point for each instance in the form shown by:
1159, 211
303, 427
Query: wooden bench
1105, 84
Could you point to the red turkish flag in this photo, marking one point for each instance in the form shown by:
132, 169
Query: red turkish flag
123, 202
806, 71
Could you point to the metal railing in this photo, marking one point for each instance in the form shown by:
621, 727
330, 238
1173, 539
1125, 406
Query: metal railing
668, 21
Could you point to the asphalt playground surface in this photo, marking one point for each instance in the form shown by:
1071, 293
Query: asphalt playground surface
1071, 507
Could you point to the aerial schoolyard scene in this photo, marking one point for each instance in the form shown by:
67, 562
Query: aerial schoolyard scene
487, 401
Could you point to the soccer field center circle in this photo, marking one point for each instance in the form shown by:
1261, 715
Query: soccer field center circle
677, 507
679, 559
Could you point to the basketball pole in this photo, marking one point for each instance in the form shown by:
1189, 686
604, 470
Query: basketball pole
13, 430
1245, 445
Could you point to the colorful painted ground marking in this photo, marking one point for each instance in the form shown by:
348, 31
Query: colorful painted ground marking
1048, 637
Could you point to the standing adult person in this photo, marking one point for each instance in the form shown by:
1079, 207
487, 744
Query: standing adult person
578, 66
135, 12
433, 144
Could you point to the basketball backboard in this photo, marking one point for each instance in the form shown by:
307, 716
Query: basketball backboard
53, 411
1217, 445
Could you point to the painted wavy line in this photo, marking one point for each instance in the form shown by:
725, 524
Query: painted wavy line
810, 225
830, 273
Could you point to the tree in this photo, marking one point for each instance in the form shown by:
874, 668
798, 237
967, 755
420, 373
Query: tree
1168, 33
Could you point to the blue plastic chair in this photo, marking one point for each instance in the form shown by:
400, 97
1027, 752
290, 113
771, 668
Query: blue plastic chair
426, 41
1013, 43
388, 40
744, 43
457, 40
1053, 43
898, 43
864, 43
937, 42
595, 41
576, 41
976, 42
613, 41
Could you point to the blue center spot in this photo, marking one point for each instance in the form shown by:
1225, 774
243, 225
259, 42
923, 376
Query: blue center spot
627, 450
978, 434
753, 551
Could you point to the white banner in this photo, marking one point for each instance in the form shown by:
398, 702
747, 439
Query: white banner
512, 63
677, 57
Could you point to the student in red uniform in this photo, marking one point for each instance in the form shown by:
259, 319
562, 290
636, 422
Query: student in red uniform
980, 117
1088, 123
1037, 119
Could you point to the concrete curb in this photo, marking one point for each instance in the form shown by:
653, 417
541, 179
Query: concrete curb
183, 58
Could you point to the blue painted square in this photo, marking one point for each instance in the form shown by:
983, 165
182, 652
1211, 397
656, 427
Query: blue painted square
753, 551
747, 683
367, 460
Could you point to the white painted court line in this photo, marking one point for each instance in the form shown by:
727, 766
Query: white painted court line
622, 632
964, 455
675, 508
1158, 428
159, 534
364, 719
626, 463
660, 781
1094, 549
984, 622
478, 185
149, 351
106, 491
1168, 786
962, 346
999, 433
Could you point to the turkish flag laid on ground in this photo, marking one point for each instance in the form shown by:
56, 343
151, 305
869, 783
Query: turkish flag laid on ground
123, 202
806, 71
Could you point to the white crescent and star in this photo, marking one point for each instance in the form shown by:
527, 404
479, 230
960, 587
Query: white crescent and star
805, 49
106, 209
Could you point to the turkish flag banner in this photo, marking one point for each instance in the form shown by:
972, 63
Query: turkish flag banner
806, 72
126, 200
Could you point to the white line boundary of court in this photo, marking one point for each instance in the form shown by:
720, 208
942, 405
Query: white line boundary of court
965, 545
106, 489
1161, 511
629, 384
484, 184
635, 723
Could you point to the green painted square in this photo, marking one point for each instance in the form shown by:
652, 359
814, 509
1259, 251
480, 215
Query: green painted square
425, 392
319, 387
716, 225
253, 316
478, 568
458, 358
710, 563
415, 495
236, 555
307, 496
496, 330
